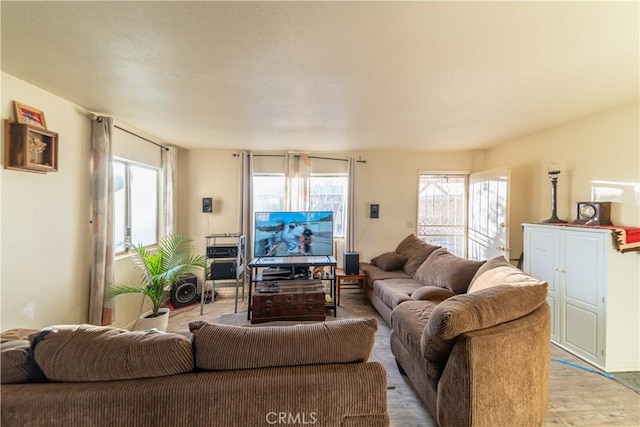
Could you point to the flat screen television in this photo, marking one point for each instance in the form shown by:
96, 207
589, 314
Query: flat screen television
281, 234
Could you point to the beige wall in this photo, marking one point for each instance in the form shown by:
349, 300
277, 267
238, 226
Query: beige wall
209, 173
601, 148
45, 247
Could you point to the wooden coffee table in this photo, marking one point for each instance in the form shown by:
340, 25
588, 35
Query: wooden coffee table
288, 302
342, 279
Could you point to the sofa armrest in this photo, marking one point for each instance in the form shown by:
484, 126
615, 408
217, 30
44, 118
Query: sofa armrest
499, 375
341, 394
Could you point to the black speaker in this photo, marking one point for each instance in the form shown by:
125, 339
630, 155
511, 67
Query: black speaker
185, 292
223, 270
374, 210
207, 205
351, 263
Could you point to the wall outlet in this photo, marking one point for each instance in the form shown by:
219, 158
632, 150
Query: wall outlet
409, 224
207, 205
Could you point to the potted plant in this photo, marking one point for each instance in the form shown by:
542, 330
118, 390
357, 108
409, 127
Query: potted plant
161, 268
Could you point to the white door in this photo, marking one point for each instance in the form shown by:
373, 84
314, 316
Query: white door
488, 230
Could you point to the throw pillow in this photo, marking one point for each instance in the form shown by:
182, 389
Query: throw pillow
416, 252
14, 362
431, 293
479, 310
225, 347
499, 271
445, 270
97, 353
389, 261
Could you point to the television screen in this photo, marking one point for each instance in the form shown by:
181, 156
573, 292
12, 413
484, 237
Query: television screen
283, 234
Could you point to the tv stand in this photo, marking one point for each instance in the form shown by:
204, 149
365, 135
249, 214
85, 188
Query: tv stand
282, 269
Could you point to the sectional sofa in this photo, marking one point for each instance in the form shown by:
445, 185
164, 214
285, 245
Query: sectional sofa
472, 336
219, 376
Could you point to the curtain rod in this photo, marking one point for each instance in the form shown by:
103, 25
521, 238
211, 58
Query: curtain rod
297, 155
94, 116
141, 137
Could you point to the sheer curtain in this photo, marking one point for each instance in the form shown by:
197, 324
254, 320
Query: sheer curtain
168, 190
101, 305
297, 173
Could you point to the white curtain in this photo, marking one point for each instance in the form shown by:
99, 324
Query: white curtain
101, 305
350, 243
297, 173
168, 191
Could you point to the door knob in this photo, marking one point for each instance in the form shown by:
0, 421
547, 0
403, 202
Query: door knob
503, 225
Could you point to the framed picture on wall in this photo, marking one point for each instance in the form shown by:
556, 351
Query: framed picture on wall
29, 115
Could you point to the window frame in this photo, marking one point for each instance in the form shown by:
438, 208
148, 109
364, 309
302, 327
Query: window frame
465, 227
128, 245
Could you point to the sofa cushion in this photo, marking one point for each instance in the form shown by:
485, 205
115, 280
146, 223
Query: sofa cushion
416, 252
389, 261
499, 271
478, 310
445, 270
432, 293
14, 362
395, 291
225, 347
409, 320
376, 273
97, 353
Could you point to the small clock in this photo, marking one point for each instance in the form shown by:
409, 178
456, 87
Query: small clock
593, 213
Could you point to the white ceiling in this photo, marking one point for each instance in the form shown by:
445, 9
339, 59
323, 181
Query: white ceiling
330, 76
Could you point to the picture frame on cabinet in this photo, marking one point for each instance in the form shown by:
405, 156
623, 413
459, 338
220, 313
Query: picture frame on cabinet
29, 115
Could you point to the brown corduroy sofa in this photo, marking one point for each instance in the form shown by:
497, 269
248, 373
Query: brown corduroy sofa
473, 337
220, 376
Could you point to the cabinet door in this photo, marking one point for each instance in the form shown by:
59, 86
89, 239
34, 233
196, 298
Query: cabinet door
583, 261
541, 261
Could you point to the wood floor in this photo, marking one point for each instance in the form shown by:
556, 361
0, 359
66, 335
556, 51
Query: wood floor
577, 397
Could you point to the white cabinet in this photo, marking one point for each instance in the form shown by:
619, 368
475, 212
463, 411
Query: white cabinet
594, 292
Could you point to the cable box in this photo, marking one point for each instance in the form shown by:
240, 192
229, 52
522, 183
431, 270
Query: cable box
230, 251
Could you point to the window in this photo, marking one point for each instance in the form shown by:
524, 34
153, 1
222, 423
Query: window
442, 211
327, 192
136, 205
268, 192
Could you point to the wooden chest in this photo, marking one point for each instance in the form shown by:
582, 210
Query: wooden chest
290, 302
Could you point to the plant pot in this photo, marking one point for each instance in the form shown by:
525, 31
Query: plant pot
161, 322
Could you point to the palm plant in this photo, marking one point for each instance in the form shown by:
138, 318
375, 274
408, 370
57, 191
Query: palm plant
161, 268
